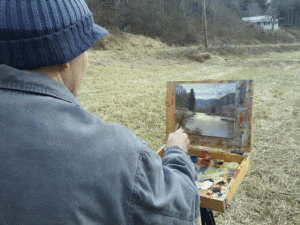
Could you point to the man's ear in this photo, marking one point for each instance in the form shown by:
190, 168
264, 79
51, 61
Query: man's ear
64, 66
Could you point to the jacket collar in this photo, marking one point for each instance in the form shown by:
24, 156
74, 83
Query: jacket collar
14, 79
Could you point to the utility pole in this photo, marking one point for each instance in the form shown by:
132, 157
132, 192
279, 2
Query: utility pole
205, 26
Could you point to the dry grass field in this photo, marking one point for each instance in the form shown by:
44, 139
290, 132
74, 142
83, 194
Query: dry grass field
129, 87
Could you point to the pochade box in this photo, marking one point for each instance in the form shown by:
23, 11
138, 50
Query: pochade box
217, 116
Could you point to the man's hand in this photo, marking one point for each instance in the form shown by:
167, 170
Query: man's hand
180, 139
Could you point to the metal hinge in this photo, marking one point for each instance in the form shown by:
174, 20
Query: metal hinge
237, 152
227, 204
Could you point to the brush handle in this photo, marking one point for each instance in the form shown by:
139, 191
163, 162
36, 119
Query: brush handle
180, 122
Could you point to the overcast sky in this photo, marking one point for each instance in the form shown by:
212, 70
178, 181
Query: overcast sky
210, 91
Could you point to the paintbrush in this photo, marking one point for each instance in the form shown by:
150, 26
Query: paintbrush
180, 122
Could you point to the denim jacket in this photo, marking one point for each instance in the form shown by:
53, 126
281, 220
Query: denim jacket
60, 164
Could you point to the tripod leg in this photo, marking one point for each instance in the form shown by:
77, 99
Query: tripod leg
207, 217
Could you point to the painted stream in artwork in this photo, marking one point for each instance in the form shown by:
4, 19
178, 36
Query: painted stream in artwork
210, 125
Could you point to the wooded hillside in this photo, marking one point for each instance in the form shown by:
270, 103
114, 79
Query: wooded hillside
180, 22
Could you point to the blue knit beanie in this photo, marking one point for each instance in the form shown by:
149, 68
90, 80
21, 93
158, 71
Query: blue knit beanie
39, 33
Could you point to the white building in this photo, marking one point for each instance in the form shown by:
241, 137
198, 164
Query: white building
262, 21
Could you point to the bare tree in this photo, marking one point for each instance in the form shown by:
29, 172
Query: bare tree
274, 9
181, 96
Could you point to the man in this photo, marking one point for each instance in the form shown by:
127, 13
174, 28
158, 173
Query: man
60, 164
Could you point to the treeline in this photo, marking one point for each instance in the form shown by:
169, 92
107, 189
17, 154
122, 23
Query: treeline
223, 106
180, 22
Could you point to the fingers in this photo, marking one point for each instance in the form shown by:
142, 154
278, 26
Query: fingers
180, 139
183, 133
180, 130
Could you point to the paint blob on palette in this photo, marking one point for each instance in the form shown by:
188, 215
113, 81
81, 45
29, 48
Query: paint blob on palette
214, 179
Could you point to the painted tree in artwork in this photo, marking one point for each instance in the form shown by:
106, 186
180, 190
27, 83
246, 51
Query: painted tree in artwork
192, 100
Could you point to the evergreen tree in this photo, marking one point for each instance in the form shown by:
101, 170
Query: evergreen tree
245, 4
213, 110
254, 10
263, 4
192, 100
251, 7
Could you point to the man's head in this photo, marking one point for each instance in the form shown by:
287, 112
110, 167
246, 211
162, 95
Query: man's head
70, 74
37, 34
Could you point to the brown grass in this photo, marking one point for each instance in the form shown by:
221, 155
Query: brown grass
118, 40
129, 87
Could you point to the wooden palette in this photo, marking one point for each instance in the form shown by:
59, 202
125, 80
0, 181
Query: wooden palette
220, 117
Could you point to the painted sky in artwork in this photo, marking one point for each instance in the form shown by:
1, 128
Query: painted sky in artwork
210, 91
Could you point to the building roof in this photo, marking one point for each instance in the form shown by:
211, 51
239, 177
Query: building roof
265, 18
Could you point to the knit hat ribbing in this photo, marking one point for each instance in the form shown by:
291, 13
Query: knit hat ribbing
38, 33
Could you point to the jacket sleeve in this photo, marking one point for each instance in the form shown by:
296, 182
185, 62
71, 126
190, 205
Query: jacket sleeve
164, 190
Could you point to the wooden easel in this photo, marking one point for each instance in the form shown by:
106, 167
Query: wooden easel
207, 217
234, 106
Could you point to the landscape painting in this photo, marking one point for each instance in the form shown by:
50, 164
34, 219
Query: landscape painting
206, 109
